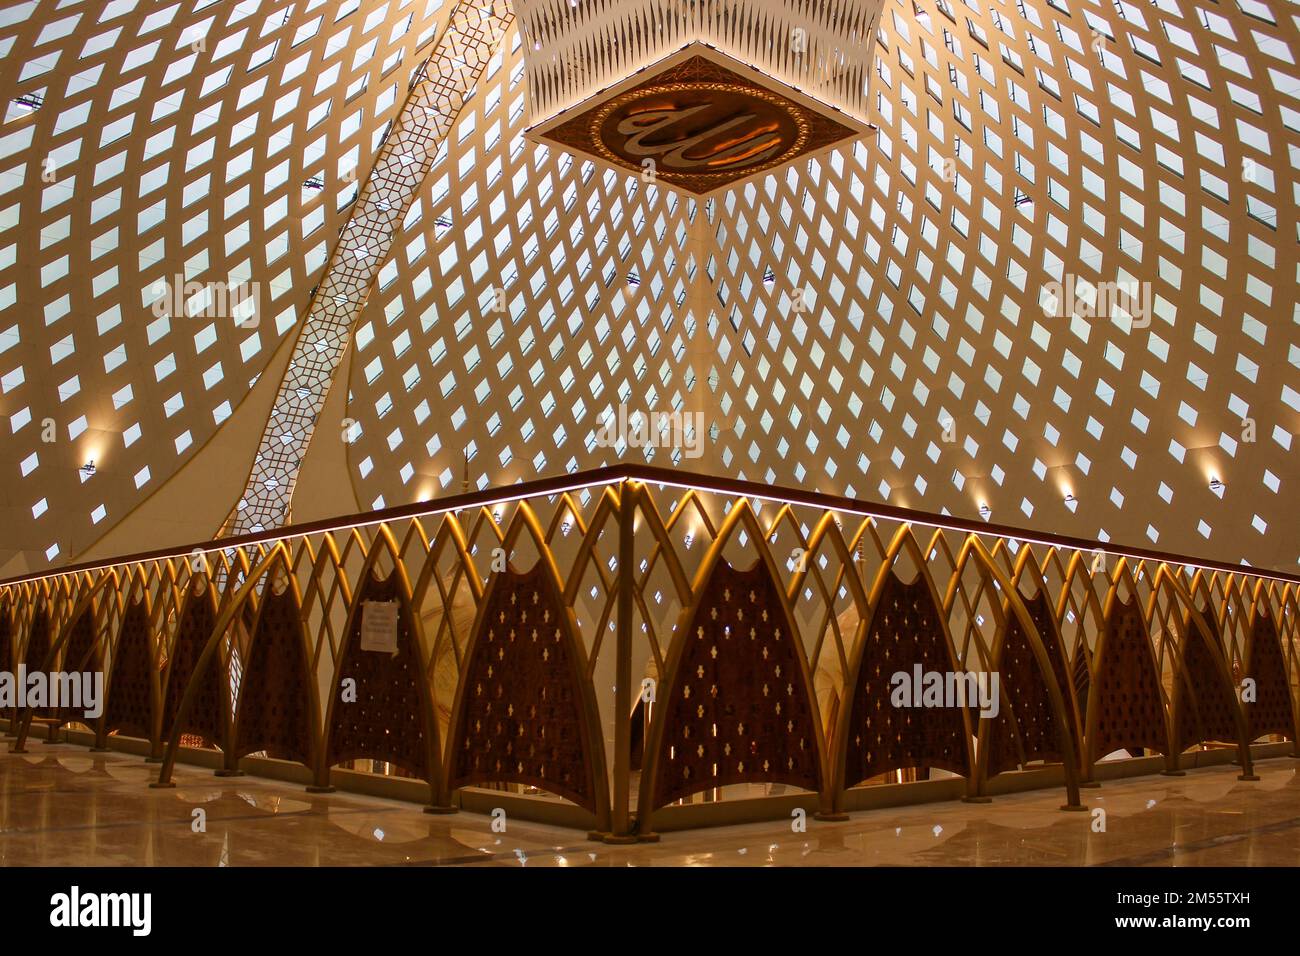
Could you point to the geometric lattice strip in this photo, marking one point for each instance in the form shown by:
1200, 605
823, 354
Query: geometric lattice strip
401, 166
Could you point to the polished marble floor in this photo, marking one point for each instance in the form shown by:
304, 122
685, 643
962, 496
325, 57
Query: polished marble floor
60, 805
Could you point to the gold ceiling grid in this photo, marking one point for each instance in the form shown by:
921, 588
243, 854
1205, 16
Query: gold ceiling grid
1105, 141
216, 141
866, 305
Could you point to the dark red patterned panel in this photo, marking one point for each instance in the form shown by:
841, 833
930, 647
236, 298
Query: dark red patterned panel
1130, 711
38, 640
390, 719
1271, 711
38, 647
1209, 711
210, 710
79, 654
739, 709
130, 704
1031, 705
521, 712
7, 648
905, 629
6, 639
275, 695
1082, 682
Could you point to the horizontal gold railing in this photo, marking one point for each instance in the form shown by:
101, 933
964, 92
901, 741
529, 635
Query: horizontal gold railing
634, 648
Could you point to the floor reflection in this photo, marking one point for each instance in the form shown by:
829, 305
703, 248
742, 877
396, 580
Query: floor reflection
64, 806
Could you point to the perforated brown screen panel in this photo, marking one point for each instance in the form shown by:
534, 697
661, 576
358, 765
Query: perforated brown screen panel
521, 711
6, 648
1208, 711
388, 719
1130, 708
38, 646
6, 639
905, 630
130, 704
211, 708
739, 709
1030, 702
275, 707
79, 654
1271, 711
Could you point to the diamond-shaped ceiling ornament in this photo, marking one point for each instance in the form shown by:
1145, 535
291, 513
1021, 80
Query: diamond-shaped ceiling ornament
698, 94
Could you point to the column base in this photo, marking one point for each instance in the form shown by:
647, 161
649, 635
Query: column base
977, 799
441, 811
227, 773
315, 789
1075, 807
614, 839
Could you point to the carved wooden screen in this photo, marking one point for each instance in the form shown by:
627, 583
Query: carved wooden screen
1082, 678
1271, 711
1129, 709
210, 713
7, 626
277, 695
38, 647
38, 639
738, 707
905, 629
80, 653
6, 637
1204, 705
129, 709
1035, 732
391, 718
522, 717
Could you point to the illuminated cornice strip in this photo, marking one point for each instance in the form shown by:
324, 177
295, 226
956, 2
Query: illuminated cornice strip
667, 478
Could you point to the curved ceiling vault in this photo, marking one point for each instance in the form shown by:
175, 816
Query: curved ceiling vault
873, 322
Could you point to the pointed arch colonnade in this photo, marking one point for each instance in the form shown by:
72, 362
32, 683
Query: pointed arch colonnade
633, 648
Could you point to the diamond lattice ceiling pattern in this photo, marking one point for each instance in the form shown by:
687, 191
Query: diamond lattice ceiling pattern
884, 321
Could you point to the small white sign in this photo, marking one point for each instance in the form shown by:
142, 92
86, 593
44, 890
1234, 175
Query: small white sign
379, 627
